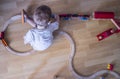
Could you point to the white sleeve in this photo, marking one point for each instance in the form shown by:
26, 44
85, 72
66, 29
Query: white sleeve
54, 26
28, 37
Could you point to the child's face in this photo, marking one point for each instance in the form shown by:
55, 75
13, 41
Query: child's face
40, 24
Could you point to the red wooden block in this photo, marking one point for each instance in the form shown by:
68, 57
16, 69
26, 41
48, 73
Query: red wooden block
111, 67
105, 34
117, 31
103, 15
1, 35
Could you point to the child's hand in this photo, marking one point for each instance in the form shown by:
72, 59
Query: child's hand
28, 19
25, 15
57, 17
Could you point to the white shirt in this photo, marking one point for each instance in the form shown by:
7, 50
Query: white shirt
41, 39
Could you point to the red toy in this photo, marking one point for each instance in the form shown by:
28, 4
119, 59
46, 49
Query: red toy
103, 15
73, 15
105, 34
2, 39
110, 66
1, 35
4, 42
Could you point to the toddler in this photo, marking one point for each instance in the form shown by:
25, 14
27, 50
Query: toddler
40, 37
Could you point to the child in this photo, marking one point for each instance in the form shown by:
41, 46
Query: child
40, 37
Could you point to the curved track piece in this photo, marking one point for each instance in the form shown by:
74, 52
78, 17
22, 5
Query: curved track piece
11, 20
71, 58
71, 66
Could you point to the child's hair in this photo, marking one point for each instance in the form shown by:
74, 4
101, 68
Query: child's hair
43, 13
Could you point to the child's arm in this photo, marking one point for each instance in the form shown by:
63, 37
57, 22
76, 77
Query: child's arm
29, 20
55, 23
57, 18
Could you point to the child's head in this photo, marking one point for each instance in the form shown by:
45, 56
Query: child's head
42, 16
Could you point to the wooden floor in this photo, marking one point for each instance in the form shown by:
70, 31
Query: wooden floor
91, 55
